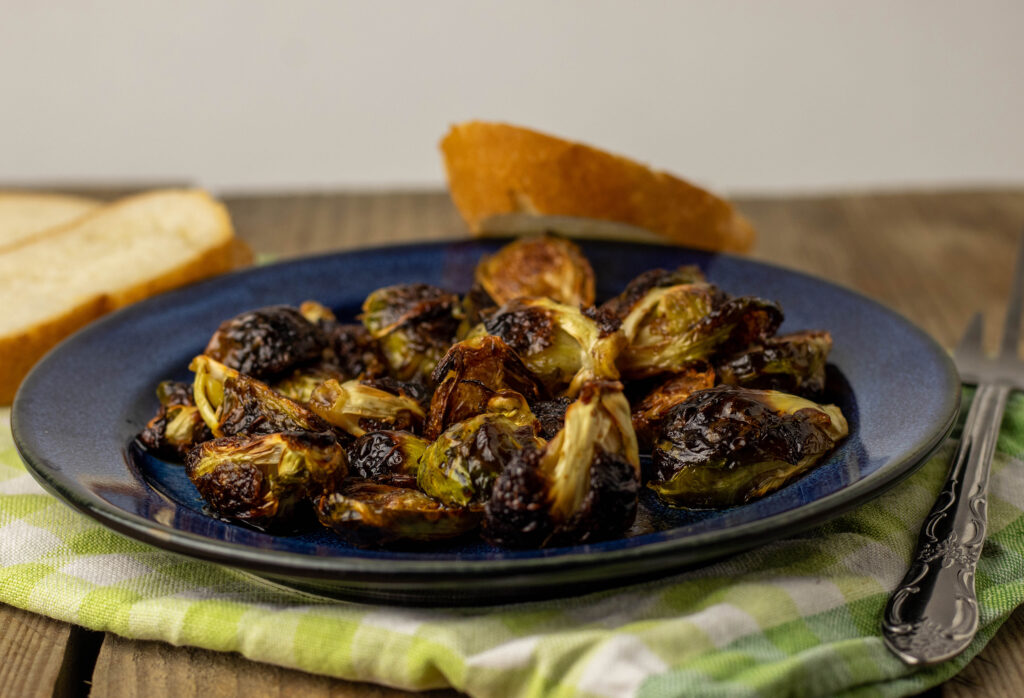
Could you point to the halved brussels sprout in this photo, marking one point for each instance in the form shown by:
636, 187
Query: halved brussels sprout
560, 345
470, 375
234, 403
548, 267
266, 342
177, 426
672, 325
390, 457
460, 467
727, 445
582, 486
414, 324
357, 408
371, 514
794, 363
262, 478
649, 412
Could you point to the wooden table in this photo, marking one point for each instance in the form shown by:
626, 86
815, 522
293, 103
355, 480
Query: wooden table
934, 257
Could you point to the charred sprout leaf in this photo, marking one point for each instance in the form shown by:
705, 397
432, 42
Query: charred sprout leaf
233, 403
355, 351
548, 267
262, 478
727, 445
794, 363
300, 383
622, 304
559, 344
266, 342
357, 408
371, 514
673, 325
470, 375
581, 487
414, 324
410, 389
551, 416
390, 457
649, 412
177, 426
459, 468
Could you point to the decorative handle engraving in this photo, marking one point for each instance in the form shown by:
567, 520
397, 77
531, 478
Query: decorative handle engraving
933, 613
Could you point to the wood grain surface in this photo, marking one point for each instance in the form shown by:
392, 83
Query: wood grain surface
935, 257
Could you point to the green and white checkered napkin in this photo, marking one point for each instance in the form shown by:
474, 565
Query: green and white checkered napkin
799, 617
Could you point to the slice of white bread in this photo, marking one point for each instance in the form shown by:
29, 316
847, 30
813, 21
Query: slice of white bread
120, 253
23, 215
495, 169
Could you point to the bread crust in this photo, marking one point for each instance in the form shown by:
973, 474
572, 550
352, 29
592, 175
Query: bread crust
496, 168
21, 350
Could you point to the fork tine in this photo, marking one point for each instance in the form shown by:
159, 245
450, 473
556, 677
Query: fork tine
1011, 331
970, 343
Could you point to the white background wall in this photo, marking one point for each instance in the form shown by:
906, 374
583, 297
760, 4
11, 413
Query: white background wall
743, 96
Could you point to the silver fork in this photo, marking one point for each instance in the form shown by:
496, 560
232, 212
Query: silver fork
933, 614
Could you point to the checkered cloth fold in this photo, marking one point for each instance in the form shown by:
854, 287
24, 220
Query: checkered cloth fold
798, 617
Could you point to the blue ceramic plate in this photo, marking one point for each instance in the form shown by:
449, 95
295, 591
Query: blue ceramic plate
78, 412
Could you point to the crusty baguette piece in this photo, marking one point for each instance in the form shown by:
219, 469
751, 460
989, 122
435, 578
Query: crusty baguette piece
496, 169
118, 254
23, 215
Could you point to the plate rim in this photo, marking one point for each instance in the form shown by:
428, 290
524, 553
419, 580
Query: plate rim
302, 565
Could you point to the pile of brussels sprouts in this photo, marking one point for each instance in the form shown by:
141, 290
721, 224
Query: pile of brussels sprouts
518, 411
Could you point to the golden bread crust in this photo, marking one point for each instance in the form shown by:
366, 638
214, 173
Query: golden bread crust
496, 169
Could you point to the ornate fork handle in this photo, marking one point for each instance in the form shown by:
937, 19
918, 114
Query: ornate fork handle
933, 614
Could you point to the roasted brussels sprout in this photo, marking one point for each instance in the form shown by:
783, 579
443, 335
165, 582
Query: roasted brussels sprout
459, 468
793, 363
560, 345
371, 514
672, 325
581, 487
414, 324
390, 457
727, 445
469, 375
649, 412
356, 408
177, 426
262, 478
548, 267
233, 403
266, 342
